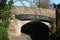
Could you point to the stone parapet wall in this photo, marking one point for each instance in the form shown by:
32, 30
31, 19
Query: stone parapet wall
36, 11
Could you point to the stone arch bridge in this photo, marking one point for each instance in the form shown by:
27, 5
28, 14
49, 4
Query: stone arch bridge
23, 15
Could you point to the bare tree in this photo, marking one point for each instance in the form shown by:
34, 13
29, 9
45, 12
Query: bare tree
44, 3
32, 3
36, 3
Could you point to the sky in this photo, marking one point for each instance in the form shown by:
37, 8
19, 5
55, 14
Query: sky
55, 1
22, 3
25, 3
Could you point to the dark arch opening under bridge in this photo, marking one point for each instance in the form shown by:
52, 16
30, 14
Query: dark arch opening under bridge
36, 30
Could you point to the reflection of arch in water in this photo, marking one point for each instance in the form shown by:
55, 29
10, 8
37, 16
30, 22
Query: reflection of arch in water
36, 29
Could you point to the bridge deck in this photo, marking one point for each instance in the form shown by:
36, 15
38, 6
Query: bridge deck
36, 11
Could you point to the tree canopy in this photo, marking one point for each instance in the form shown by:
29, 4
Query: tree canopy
2, 3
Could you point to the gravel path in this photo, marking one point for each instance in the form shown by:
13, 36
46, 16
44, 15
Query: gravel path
22, 37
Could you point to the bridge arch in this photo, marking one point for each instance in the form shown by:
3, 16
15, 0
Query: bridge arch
30, 18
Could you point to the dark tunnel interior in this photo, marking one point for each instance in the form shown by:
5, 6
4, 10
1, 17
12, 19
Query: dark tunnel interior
36, 30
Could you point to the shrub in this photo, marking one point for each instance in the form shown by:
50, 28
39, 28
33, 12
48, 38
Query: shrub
5, 20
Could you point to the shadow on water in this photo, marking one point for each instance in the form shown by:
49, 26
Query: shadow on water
36, 30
